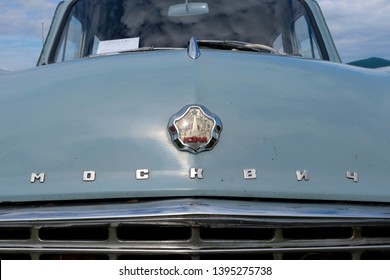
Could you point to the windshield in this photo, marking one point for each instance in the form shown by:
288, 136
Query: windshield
108, 26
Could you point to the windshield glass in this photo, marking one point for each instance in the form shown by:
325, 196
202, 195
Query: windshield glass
107, 26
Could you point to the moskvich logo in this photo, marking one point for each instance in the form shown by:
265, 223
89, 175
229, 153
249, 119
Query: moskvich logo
195, 129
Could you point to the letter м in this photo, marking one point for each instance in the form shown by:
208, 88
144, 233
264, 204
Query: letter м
35, 176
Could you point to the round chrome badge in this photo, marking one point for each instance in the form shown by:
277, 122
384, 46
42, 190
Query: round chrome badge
194, 129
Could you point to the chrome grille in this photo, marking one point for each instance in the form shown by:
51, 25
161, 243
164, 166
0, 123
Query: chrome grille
196, 229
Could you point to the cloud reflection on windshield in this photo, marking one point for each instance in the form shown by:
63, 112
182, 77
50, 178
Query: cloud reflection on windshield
251, 21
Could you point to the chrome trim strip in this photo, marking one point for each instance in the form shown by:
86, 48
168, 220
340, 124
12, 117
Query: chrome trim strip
191, 251
192, 206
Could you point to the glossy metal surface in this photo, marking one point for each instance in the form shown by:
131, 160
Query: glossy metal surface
193, 49
195, 129
196, 228
224, 209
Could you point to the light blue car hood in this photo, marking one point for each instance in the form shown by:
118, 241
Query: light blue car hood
280, 115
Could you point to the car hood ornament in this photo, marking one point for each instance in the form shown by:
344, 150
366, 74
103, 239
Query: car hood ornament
194, 129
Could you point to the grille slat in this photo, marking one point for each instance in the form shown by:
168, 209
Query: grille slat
215, 235
318, 233
236, 233
74, 233
378, 232
178, 242
15, 233
152, 233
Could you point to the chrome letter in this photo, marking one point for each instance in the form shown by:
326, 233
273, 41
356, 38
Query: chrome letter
302, 175
250, 174
89, 176
353, 176
142, 174
35, 176
196, 173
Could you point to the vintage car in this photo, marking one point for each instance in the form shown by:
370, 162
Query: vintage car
177, 129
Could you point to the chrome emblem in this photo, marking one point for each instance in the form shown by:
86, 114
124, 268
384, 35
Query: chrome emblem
194, 129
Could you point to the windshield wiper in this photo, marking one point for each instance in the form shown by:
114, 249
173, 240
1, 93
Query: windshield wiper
142, 49
237, 45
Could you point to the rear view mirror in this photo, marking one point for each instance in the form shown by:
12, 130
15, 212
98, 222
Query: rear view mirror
188, 9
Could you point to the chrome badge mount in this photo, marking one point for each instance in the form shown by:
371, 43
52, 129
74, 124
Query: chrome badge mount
195, 129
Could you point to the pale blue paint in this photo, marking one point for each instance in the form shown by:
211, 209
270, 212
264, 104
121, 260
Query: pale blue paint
280, 114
